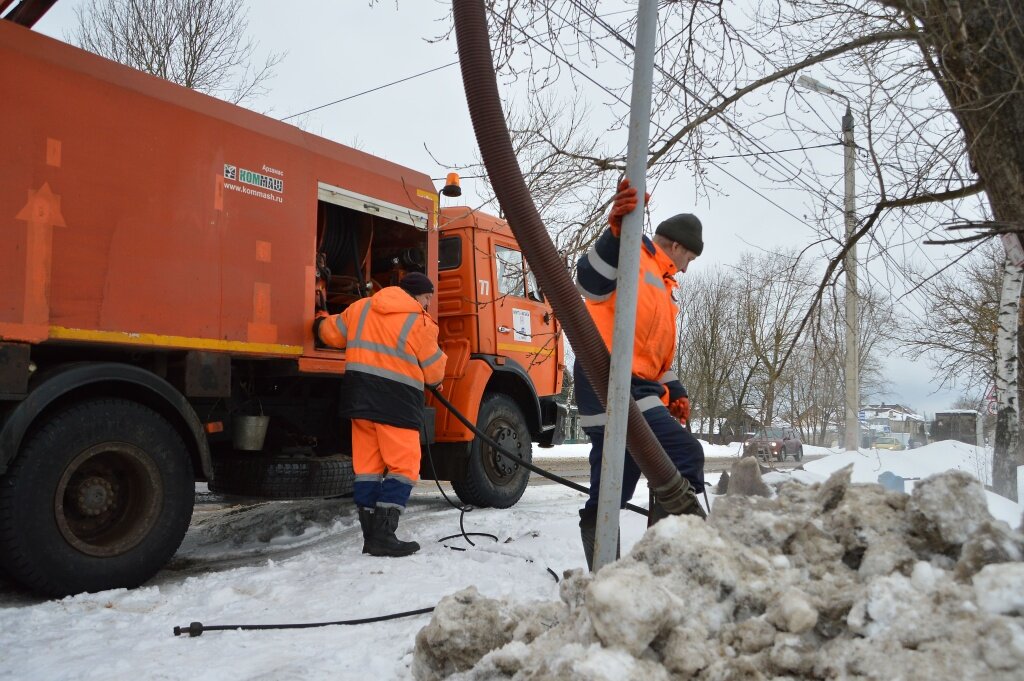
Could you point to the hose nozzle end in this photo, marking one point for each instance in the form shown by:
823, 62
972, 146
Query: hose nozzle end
678, 498
193, 630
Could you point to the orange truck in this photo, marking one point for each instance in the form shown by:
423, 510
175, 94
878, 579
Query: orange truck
163, 257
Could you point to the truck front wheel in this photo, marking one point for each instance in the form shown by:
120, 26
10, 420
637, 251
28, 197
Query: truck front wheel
99, 497
494, 480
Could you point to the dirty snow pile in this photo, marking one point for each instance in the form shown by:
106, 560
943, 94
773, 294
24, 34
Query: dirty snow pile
831, 580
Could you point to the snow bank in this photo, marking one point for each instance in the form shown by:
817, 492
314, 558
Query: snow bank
830, 580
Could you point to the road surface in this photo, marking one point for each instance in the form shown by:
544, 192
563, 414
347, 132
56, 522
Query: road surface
577, 469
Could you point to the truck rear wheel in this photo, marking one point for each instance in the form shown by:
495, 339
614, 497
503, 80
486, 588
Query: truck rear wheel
493, 480
99, 497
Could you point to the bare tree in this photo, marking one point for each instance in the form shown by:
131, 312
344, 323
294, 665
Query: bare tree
934, 87
201, 44
734, 325
775, 296
712, 352
960, 336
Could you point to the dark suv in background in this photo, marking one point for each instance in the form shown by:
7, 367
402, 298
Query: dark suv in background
774, 443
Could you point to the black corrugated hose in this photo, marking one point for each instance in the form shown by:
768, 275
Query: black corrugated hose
481, 87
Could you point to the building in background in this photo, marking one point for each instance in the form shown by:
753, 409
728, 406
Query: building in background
957, 424
893, 420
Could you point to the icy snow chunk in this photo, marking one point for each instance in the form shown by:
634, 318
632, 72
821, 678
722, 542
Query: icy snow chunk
946, 509
993, 542
745, 479
999, 589
628, 608
1002, 644
832, 580
447, 645
792, 612
465, 627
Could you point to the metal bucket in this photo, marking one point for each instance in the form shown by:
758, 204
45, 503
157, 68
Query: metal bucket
248, 432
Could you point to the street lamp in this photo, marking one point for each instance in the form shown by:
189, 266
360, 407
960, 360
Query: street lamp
852, 378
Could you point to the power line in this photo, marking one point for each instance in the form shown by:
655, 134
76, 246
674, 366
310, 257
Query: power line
679, 160
792, 171
570, 65
366, 92
764, 150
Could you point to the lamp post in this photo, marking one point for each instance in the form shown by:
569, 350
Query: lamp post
852, 370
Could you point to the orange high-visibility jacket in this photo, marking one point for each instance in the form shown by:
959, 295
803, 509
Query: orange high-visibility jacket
391, 352
654, 341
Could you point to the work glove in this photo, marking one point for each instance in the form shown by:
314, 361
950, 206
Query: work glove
623, 203
318, 319
680, 408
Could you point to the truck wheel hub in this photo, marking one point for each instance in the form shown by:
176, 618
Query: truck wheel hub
108, 499
507, 439
95, 495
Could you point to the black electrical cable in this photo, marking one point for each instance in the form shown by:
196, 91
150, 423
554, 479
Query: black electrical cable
197, 628
462, 509
528, 466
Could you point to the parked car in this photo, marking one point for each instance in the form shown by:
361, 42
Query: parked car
777, 443
889, 443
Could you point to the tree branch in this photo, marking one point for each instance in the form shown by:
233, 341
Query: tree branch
884, 36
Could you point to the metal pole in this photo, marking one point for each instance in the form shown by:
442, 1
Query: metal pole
627, 283
852, 375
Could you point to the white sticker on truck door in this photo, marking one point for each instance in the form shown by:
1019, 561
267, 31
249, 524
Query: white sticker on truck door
521, 325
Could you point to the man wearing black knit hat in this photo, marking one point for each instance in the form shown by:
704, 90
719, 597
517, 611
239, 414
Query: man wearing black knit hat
654, 386
391, 354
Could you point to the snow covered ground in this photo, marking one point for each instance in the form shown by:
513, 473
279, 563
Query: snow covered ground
300, 562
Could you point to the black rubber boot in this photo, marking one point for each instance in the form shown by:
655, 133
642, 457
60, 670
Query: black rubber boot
383, 541
588, 535
366, 522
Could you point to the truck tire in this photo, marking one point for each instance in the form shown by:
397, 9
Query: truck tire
99, 497
493, 480
799, 453
279, 477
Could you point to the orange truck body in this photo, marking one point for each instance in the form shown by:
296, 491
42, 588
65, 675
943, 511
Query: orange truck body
163, 246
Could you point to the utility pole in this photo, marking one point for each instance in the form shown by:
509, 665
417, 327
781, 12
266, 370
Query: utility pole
852, 374
851, 371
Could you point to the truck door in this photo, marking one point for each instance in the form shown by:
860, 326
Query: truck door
525, 329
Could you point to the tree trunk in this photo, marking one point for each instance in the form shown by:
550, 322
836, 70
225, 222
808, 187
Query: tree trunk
976, 50
1007, 453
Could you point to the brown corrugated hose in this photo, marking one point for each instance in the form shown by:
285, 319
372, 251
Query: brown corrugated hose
481, 87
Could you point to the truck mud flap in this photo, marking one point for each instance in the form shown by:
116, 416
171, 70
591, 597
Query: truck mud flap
555, 416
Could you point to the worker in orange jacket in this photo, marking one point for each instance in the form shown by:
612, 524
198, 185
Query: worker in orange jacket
656, 389
391, 353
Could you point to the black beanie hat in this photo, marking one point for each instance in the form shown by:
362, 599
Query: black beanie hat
416, 284
685, 230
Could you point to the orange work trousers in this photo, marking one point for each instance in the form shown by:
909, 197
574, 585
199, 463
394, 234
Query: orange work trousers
386, 461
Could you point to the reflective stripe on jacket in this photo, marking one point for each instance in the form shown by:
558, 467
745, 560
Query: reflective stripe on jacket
654, 341
391, 351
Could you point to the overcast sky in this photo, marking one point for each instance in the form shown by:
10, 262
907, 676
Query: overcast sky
339, 49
